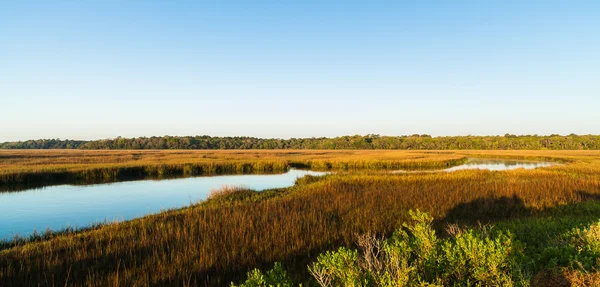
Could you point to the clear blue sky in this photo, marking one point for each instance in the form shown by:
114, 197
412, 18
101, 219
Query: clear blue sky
102, 69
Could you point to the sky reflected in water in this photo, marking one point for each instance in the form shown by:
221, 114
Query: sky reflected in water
61, 206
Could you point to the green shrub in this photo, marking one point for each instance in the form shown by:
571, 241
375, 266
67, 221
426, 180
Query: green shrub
472, 258
338, 268
578, 249
587, 240
415, 256
276, 277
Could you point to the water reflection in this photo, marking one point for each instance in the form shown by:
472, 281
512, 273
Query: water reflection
490, 164
499, 164
57, 207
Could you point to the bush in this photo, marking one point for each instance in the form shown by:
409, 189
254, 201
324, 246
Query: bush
483, 256
587, 240
414, 256
276, 277
472, 257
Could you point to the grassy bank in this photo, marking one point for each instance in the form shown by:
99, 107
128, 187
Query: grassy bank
60, 166
218, 241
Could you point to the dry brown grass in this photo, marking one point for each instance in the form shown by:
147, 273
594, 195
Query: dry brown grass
566, 278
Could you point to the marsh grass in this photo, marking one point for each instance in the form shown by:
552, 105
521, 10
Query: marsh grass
31, 167
219, 240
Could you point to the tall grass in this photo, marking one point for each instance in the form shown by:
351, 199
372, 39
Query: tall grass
114, 173
218, 241
59, 166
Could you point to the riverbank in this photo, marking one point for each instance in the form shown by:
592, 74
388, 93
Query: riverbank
46, 167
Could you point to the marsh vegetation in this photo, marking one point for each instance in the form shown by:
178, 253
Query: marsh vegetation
231, 233
41, 167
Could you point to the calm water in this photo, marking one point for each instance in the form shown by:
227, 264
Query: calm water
57, 207
493, 164
499, 164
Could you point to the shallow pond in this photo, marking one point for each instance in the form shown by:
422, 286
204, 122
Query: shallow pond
499, 164
61, 206
491, 164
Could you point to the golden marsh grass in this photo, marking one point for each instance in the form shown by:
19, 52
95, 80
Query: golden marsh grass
215, 242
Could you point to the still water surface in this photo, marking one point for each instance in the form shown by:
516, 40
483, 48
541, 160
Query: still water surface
61, 206
491, 164
499, 164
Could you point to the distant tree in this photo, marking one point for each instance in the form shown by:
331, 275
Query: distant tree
413, 142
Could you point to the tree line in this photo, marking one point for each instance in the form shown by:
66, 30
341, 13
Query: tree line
43, 144
409, 142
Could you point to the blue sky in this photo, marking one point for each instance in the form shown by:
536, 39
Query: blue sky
102, 69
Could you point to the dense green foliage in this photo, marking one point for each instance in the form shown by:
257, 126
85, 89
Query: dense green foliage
415, 256
414, 142
274, 277
43, 144
482, 256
